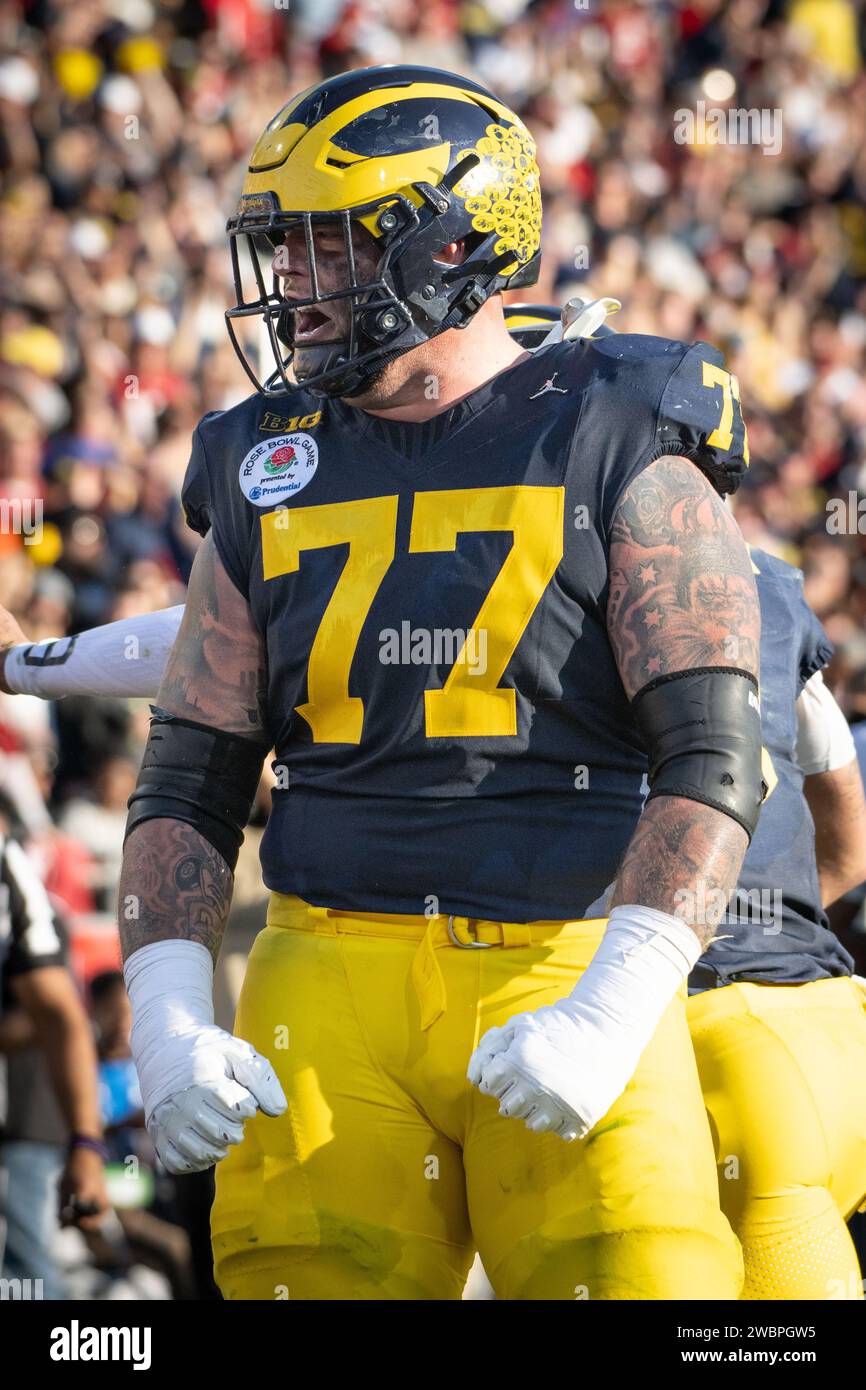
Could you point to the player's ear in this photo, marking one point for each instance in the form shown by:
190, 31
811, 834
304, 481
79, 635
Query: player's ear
452, 254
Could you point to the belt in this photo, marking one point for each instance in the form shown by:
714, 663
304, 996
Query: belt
432, 933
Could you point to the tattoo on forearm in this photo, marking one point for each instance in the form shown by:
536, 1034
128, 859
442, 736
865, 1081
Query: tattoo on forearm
682, 594
684, 859
174, 886
216, 672
682, 590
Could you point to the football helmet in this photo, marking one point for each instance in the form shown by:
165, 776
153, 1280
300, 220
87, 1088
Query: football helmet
420, 158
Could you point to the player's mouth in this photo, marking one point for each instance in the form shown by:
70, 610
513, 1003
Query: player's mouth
311, 325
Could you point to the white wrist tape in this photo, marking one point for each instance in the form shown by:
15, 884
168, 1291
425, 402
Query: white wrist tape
170, 987
614, 1009
125, 659
641, 961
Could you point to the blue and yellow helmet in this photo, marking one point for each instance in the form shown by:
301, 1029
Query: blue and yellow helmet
419, 158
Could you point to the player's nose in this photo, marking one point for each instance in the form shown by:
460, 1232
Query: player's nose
290, 261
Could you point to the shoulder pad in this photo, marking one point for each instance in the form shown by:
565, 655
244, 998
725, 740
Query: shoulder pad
694, 401
195, 492
700, 413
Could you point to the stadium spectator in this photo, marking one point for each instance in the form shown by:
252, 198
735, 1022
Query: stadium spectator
50, 1166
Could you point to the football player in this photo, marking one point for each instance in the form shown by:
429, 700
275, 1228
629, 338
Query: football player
93, 661
778, 1022
454, 641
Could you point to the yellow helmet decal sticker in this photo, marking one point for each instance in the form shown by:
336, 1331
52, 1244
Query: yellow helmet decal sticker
502, 194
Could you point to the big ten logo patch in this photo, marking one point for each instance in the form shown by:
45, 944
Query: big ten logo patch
285, 424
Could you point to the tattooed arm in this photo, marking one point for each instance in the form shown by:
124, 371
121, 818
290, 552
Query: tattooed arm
179, 884
198, 1083
682, 594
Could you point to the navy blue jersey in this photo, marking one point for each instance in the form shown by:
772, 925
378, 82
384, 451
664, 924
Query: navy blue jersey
776, 929
448, 719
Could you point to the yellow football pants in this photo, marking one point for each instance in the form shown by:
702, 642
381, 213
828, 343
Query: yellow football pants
388, 1168
783, 1071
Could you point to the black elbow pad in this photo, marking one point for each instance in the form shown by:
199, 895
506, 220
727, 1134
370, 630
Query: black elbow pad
702, 731
198, 775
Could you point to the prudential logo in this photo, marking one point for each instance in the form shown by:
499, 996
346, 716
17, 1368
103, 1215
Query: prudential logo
77, 1343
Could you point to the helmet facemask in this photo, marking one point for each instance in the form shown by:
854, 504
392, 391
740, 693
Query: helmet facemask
409, 298
333, 365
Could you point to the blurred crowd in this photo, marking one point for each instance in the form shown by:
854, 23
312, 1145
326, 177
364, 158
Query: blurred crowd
124, 126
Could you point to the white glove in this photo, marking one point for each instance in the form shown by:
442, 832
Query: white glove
561, 1067
198, 1083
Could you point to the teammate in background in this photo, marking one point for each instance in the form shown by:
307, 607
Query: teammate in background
777, 1020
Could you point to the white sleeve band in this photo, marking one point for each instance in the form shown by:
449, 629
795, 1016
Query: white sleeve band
642, 945
611, 1014
824, 740
125, 659
170, 987
641, 961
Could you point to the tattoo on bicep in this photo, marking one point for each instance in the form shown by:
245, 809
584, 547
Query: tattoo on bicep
216, 671
174, 886
682, 591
